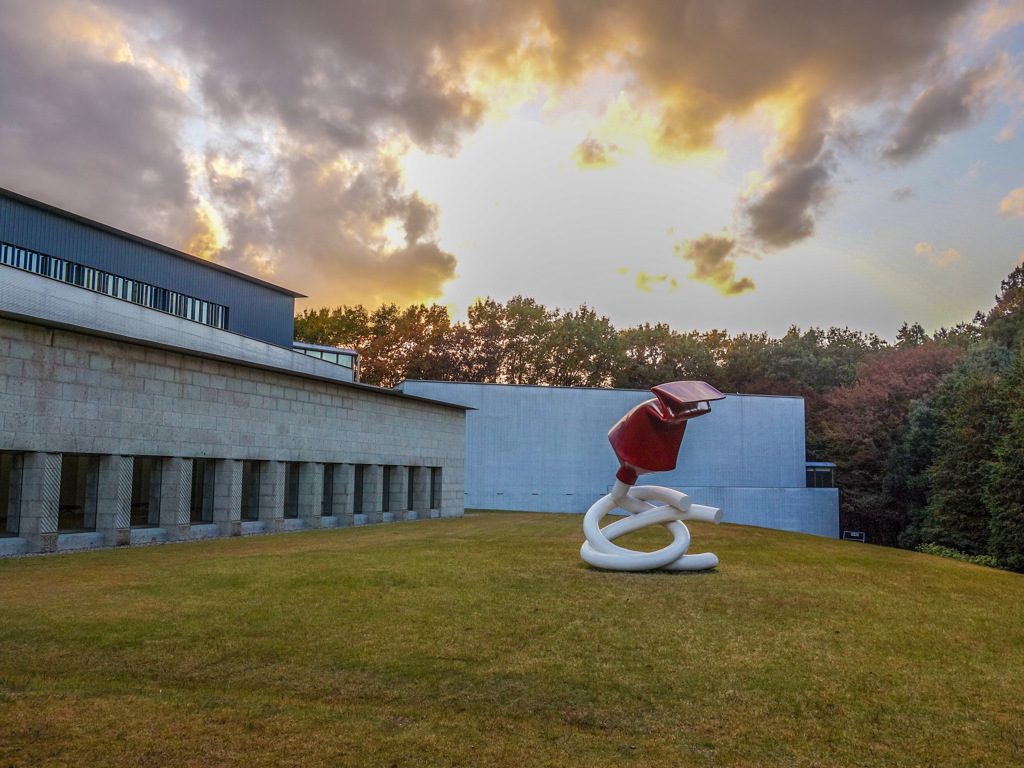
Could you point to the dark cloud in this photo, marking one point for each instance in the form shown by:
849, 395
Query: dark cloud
903, 193
799, 182
783, 215
944, 107
714, 263
88, 131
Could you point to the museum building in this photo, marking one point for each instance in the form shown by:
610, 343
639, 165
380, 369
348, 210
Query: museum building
147, 395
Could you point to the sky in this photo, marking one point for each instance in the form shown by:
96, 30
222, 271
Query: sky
736, 165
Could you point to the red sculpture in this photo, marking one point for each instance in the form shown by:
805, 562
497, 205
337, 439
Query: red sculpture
647, 438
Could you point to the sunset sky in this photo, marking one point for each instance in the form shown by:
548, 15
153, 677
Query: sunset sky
733, 165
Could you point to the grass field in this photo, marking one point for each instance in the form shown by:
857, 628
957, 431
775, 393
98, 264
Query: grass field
485, 641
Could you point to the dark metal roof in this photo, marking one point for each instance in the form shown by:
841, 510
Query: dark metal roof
143, 241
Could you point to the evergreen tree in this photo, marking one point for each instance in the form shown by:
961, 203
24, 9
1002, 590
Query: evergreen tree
971, 418
1004, 495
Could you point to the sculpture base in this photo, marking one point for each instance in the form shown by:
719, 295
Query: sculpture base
599, 551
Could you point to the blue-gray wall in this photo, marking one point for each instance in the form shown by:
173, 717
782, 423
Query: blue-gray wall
256, 310
546, 449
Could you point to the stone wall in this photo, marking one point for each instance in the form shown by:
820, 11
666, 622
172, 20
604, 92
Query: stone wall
71, 392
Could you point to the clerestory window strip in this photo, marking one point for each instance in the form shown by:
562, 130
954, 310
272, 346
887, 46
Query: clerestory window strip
124, 288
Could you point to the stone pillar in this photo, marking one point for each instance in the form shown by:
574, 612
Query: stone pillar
272, 496
114, 500
438, 508
311, 494
40, 501
453, 500
344, 490
176, 497
227, 497
421, 492
400, 493
373, 485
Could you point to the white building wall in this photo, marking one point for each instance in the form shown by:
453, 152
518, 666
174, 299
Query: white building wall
546, 449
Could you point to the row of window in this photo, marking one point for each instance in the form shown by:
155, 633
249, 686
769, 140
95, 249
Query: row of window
338, 358
135, 291
79, 485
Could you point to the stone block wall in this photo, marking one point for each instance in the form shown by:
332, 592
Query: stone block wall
66, 391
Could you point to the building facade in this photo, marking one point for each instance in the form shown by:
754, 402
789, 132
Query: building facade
546, 449
150, 396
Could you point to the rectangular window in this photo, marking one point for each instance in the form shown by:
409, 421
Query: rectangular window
291, 489
409, 488
10, 493
821, 477
385, 503
327, 502
435, 487
146, 492
78, 480
203, 476
251, 490
357, 494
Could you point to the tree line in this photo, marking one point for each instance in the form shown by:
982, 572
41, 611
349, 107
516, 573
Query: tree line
927, 432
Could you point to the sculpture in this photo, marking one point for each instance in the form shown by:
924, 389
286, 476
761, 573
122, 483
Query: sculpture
647, 440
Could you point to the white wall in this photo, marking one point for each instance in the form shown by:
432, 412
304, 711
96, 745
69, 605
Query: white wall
546, 449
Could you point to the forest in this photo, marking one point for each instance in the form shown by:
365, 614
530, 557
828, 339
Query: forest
927, 432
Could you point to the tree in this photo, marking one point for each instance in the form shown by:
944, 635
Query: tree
744, 360
581, 350
1004, 323
1004, 495
862, 423
819, 360
908, 483
970, 418
911, 335
339, 327
651, 355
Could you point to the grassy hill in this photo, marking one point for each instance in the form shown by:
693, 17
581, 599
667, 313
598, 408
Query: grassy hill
486, 641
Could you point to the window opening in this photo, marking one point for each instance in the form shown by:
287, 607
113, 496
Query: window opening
10, 493
78, 480
251, 490
327, 502
203, 476
291, 489
145, 492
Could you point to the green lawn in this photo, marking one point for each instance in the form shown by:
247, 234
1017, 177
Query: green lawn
485, 641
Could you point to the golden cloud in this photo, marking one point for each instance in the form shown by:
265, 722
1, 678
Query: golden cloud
714, 263
936, 257
591, 153
1013, 204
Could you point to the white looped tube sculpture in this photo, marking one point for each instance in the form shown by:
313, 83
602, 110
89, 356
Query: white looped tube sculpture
646, 440
599, 551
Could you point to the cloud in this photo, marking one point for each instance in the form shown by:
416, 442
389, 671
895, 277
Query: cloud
88, 128
268, 135
998, 17
644, 281
591, 153
783, 215
1013, 204
903, 193
714, 264
937, 258
949, 105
